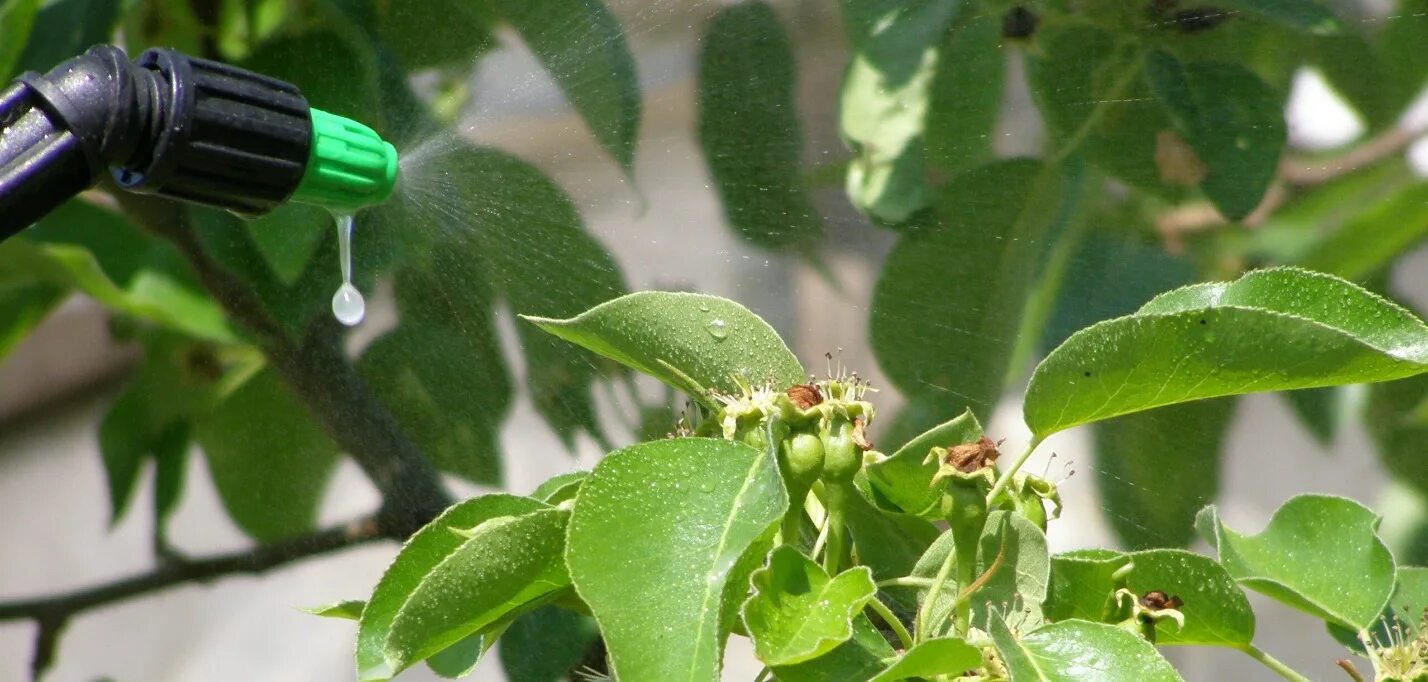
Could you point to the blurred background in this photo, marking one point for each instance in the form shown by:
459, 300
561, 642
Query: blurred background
664, 225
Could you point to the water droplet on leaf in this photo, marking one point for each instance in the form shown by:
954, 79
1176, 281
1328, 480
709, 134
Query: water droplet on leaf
718, 329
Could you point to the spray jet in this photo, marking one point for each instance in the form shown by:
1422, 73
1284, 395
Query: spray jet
180, 127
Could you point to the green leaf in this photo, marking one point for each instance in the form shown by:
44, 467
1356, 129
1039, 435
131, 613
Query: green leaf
1154, 470
927, 337
1081, 584
63, 29
545, 644
1075, 650
1305, 15
883, 107
269, 459
289, 237
583, 48
1216, 610
16, 17
1374, 237
349, 609
859, 658
1085, 87
678, 338
948, 656
150, 295
1230, 118
1025, 573
1302, 558
797, 612
459, 659
966, 95
538, 259
1319, 410
410, 29
306, 60
178, 381
560, 488
423, 551
23, 305
441, 372
1399, 44
659, 602
448, 394
507, 563
1397, 432
903, 482
1269, 330
1022, 579
749, 129
1402, 615
887, 542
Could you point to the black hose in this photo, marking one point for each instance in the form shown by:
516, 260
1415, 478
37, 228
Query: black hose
165, 124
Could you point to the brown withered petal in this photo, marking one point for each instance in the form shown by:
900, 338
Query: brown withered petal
970, 457
804, 396
1155, 600
859, 437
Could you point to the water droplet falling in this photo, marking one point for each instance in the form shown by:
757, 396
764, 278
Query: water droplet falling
717, 329
347, 304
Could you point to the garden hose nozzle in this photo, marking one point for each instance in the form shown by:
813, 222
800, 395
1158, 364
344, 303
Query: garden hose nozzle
180, 127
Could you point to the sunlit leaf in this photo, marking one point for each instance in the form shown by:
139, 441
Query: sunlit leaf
659, 602
423, 552
678, 338
1318, 554
797, 612
350, 609
505, 563
1216, 610
560, 488
1082, 584
749, 129
1022, 576
859, 658
904, 480
582, 46
1076, 650
1270, 330
932, 658
883, 107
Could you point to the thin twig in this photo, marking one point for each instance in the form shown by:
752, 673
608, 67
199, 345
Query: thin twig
52, 613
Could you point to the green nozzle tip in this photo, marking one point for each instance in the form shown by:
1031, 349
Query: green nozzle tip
350, 166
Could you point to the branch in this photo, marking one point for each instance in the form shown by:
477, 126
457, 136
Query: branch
1294, 173
51, 614
316, 369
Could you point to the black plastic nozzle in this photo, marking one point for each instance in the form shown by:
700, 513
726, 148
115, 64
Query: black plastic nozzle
165, 124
